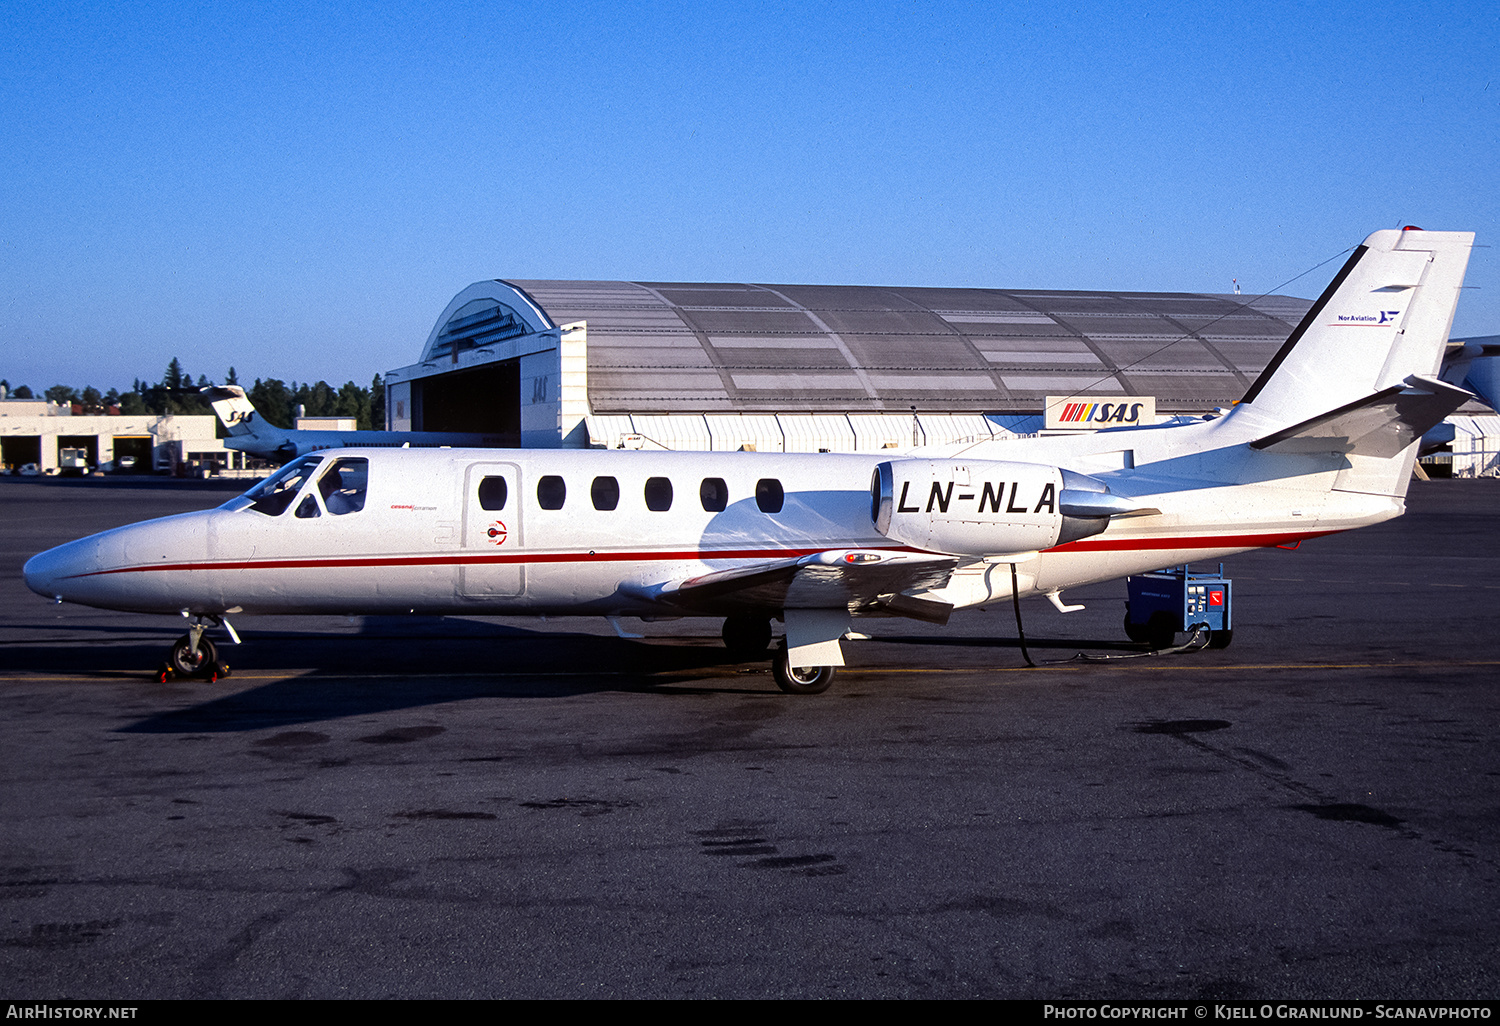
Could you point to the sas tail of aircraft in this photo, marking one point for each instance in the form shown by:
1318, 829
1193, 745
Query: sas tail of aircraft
252, 433
247, 429
238, 414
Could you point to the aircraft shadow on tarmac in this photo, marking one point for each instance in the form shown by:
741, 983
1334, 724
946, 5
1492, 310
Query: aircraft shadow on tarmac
343, 675
356, 678
406, 662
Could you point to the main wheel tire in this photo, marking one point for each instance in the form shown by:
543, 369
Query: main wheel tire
800, 680
1220, 639
183, 661
1136, 632
1161, 632
746, 637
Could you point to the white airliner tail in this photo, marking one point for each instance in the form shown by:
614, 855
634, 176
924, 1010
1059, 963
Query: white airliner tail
232, 407
247, 429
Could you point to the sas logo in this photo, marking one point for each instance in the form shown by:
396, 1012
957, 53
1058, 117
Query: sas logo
1081, 412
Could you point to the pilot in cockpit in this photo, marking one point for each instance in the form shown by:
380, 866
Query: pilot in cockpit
343, 487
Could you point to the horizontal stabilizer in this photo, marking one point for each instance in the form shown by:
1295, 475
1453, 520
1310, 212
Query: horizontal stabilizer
1474, 363
1382, 424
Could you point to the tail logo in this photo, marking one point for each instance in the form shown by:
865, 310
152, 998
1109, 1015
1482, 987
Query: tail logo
1373, 320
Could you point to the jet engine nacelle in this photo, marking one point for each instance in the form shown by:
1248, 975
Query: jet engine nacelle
987, 507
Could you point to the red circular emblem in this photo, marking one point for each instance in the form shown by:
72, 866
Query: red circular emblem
497, 533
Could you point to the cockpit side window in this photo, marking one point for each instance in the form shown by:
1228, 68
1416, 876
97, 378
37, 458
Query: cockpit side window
343, 485
273, 495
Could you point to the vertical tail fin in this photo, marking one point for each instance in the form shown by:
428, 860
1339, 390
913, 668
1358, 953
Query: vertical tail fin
233, 408
1384, 318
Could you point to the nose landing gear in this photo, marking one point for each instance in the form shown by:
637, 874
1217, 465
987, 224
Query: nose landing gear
195, 655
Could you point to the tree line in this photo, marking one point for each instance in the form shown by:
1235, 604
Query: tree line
274, 399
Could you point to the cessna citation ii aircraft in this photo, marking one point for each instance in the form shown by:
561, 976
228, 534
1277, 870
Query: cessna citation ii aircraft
1324, 441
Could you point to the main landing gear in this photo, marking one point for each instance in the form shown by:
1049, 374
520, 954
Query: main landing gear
748, 637
195, 654
799, 680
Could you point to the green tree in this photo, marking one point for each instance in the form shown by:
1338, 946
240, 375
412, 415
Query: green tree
273, 400
353, 401
377, 404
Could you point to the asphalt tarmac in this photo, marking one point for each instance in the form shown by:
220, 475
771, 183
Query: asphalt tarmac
459, 807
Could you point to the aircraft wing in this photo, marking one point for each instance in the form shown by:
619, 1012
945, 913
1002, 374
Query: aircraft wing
1381, 424
855, 580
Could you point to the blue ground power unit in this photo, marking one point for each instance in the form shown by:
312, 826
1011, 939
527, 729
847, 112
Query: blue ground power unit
1164, 603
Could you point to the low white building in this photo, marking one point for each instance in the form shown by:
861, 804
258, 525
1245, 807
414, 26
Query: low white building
39, 432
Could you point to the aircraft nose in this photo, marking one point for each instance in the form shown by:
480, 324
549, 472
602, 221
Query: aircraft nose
48, 573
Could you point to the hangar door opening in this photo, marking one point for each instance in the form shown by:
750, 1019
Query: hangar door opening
18, 450
485, 399
132, 454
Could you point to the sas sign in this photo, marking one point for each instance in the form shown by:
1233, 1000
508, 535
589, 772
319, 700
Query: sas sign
1086, 413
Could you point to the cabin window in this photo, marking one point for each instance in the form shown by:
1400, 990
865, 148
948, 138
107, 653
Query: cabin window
551, 492
658, 494
273, 495
605, 492
769, 495
714, 494
493, 492
343, 486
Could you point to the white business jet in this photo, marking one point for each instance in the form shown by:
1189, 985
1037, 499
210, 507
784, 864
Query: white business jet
1324, 441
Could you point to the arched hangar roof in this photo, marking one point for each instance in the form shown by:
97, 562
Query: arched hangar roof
673, 346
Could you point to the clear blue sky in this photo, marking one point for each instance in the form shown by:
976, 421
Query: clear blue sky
298, 189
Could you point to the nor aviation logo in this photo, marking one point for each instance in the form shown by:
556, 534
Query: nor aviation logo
1089, 413
1369, 320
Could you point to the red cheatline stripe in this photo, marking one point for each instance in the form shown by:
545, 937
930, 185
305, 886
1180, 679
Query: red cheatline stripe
1209, 541
1221, 541
479, 559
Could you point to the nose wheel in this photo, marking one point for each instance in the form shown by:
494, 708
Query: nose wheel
193, 655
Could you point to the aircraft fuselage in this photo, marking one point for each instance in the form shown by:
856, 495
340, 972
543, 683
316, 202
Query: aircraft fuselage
423, 540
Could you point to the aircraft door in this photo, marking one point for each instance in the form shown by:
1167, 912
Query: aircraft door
491, 564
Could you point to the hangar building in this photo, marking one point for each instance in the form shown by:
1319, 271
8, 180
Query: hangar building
803, 368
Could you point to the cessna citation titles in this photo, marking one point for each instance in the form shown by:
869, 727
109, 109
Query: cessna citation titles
1324, 441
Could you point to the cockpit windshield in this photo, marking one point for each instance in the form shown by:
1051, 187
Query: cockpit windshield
273, 495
